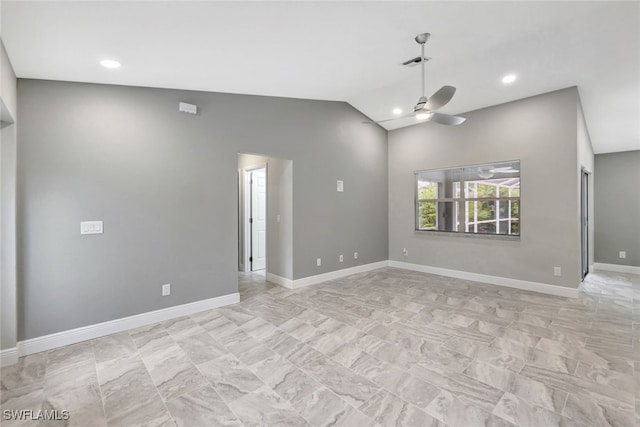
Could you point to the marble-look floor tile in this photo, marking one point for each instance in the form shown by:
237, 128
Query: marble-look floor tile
586, 411
201, 407
174, 378
150, 413
539, 394
113, 346
125, 384
606, 377
494, 376
62, 358
29, 370
323, 408
442, 359
182, 327
230, 378
522, 414
579, 386
499, 358
389, 410
464, 387
201, 347
263, 407
455, 412
347, 354
84, 405
29, 397
552, 362
412, 389
72, 376
349, 386
514, 348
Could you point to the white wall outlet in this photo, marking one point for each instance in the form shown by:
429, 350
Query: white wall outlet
91, 227
166, 289
405, 252
341, 258
355, 255
557, 271
278, 218
340, 186
622, 254
319, 262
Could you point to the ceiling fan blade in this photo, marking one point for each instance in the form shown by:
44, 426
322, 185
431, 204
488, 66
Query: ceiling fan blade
371, 122
440, 98
446, 119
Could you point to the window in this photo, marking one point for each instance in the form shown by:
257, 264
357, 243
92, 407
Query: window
482, 199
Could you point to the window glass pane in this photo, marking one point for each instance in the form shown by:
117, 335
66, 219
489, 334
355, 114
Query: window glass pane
487, 228
486, 210
515, 228
427, 190
504, 209
427, 213
503, 227
515, 209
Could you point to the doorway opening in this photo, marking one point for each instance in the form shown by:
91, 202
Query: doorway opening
584, 223
265, 222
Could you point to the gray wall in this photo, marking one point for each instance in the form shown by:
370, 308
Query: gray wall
164, 184
279, 202
8, 161
617, 207
541, 133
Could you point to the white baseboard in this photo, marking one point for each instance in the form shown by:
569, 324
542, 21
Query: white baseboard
619, 268
591, 268
319, 278
8, 357
492, 280
59, 339
279, 280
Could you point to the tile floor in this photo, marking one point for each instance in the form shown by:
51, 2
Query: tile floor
388, 347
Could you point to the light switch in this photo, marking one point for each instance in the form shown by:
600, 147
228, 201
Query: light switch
340, 186
91, 227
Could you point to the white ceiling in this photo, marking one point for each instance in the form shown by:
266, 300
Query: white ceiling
347, 51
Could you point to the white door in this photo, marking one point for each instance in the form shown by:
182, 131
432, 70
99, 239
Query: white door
258, 219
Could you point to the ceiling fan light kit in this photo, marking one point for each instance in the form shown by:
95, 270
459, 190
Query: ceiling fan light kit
425, 108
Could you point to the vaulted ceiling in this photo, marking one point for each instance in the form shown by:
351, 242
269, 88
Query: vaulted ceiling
347, 51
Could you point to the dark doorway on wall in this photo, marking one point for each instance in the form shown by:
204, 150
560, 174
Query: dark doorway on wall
584, 222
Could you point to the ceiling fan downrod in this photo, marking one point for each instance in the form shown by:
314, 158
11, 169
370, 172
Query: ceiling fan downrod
421, 39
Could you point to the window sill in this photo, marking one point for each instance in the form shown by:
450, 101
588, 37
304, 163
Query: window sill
470, 235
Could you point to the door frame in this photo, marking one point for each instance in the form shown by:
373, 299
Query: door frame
584, 222
246, 214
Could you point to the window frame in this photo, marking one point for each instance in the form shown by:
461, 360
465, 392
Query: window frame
461, 204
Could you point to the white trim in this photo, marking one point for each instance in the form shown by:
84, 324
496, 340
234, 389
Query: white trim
279, 280
492, 280
60, 339
8, 356
591, 268
319, 278
619, 268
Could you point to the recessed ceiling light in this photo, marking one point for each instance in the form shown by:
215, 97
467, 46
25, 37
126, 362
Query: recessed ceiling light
509, 78
110, 63
397, 111
422, 116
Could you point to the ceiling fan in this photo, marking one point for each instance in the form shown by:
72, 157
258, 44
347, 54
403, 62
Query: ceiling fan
424, 110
